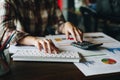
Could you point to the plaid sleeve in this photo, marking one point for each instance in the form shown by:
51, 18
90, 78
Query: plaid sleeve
7, 22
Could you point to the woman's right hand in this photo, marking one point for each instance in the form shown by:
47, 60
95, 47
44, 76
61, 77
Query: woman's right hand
41, 43
46, 44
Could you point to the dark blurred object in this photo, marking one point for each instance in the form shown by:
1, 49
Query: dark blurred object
4, 62
107, 12
72, 17
88, 14
108, 8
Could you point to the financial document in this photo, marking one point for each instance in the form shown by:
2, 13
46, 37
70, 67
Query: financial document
103, 64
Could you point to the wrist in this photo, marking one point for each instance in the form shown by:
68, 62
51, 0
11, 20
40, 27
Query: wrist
61, 28
64, 26
28, 40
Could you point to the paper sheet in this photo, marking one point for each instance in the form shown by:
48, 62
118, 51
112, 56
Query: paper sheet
109, 63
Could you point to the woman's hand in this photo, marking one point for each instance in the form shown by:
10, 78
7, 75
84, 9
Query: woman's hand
41, 43
70, 29
46, 44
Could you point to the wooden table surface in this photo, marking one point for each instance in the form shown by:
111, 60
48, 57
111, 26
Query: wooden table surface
50, 71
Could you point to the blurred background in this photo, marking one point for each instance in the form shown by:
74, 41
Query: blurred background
93, 15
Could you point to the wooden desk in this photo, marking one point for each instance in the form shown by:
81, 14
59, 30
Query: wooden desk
50, 71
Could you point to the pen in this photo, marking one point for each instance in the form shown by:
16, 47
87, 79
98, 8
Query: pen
95, 55
83, 60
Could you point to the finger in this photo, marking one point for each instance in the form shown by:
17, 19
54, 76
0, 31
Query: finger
38, 45
81, 35
48, 45
73, 34
55, 50
53, 47
78, 35
67, 34
78, 38
44, 46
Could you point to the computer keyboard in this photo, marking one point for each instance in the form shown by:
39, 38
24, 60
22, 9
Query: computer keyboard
36, 55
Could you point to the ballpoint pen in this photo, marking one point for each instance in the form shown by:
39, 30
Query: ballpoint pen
84, 61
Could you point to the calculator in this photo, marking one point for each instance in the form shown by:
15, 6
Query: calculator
86, 45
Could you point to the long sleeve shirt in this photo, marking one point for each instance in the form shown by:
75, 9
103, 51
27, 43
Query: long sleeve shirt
30, 17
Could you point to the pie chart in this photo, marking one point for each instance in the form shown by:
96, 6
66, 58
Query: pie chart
108, 61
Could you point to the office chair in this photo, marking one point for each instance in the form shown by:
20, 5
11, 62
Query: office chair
105, 12
88, 14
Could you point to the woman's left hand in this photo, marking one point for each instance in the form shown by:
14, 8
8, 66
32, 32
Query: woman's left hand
70, 29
